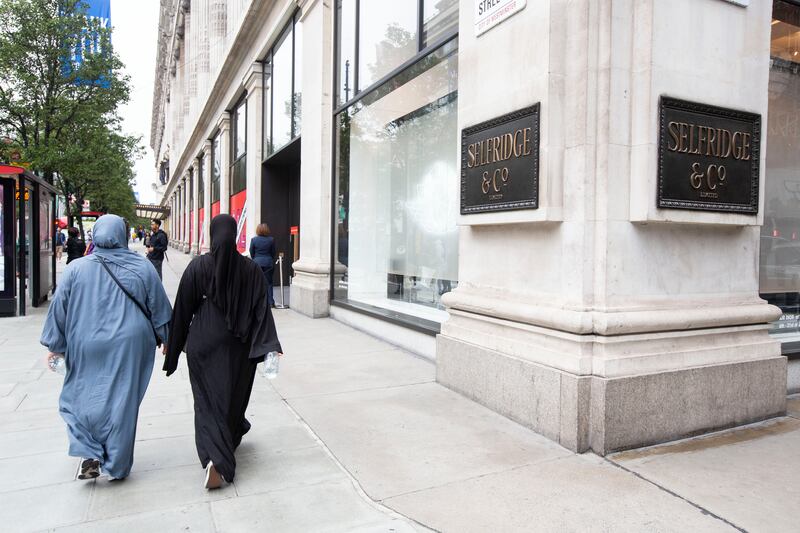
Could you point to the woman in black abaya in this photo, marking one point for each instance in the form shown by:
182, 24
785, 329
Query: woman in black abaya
223, 322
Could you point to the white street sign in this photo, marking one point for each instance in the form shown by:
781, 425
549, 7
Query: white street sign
490, 13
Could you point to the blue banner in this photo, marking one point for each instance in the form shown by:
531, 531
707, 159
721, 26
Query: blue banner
90, 42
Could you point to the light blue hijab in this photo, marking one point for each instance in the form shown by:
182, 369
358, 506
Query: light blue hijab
108, 344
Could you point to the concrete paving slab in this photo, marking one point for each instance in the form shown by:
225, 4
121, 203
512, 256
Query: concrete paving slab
45, 507
20, 376
170, 452
162, 426
748, 475
16, 363
389, 368
341, 343
47, 398
26, 420
9, 404
277, 470
167, 405
37, 470
195, 518
23, 443
6, 388
410, 438
326, 507
154, 490
576, 493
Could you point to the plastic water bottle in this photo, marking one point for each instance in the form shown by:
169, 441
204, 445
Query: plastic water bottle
271, 365
58, 365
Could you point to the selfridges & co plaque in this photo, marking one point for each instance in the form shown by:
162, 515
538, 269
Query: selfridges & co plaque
500, 163
708, 157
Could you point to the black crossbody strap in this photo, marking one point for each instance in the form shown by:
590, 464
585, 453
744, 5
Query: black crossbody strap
141, 307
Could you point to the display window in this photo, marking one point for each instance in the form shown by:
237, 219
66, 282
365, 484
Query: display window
396, 250
283, 70
239, 212
779, 273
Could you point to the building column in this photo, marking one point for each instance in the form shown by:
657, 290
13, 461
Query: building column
179, 218
224, 127
186, 215
206, 245
311, 282
173, 219
253, 83
195, 208
599, 319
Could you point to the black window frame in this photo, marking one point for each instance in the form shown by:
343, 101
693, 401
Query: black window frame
237, 177
268, 73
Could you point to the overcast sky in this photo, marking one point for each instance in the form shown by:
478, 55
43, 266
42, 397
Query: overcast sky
135, 32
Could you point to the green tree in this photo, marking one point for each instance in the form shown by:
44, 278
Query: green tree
60, 114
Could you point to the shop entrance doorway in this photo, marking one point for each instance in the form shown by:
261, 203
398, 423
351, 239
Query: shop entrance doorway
280, 208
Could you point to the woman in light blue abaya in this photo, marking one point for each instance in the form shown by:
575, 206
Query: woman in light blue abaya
107, 316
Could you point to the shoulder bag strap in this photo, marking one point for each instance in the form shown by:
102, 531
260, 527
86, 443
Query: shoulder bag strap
141, 307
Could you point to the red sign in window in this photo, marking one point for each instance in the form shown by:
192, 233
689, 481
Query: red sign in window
239, 212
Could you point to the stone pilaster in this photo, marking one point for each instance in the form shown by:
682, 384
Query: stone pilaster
195, 208
224, 128
311, 282
206, 236
254, 85
598, 319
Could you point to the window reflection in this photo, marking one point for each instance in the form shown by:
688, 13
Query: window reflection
388, 38
346, 17
439, 19
282, 92
780, 235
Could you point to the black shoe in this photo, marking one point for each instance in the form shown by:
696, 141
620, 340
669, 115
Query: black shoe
90, 469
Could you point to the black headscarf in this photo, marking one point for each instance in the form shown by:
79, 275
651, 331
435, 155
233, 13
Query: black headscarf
230, 287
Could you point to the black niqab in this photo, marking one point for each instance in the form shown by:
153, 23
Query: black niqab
228, 287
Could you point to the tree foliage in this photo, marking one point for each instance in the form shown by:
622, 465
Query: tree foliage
61, 114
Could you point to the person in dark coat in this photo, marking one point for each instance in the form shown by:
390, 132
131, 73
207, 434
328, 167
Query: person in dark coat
157, 246
222, 321
75, 245
262, 251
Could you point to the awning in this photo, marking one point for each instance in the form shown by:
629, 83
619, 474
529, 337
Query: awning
152, 211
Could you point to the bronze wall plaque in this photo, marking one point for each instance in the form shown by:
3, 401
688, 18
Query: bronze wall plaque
500, 163
708, 157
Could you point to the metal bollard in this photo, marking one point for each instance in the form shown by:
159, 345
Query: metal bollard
280, 273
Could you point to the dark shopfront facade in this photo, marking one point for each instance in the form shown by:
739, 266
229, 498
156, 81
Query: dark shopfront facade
27, 261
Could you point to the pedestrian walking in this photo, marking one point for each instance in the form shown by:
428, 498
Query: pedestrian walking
75, 245
157, 246
60, 242
262, 251
107, 316
222, 320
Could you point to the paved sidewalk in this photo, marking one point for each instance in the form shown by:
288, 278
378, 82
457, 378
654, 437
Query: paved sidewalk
355, 435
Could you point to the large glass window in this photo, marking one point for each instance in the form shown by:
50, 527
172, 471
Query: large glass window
282, 92
216, 170
239, 149
780, 235
397, 192
283, 81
